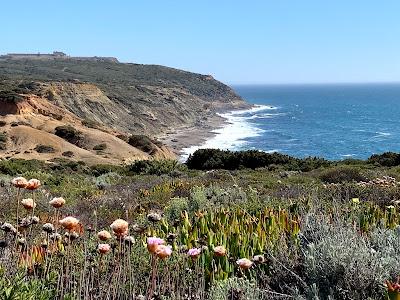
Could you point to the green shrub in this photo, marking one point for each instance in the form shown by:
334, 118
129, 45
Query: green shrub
342, 174
69, 134
68, 154
155, 167
235, 288
44, 149
90, 123
387, 159
208, 159
100, 147
142, 142
3, 137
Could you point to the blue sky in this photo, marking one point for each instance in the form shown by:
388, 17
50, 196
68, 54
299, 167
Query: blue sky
281, 41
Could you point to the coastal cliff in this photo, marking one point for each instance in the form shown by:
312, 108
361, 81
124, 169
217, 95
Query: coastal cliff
108, 104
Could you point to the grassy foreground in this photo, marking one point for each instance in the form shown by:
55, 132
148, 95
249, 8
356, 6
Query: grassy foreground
289, 230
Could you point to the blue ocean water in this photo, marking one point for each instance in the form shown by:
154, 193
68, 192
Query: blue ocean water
330, 121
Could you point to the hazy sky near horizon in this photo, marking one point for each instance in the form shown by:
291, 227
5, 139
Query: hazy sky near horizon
280, 41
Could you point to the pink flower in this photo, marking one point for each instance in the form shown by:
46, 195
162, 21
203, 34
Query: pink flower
19, 182
57, 202
33, 184
120, 227
69, 223
104, 235
103, 248
153, 242
194, 253
28, 203
163, 251
220, 251
244, 263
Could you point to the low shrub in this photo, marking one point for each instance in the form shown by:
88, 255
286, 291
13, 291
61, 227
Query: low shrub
155, 167
90, 123
44, 149
68, 133
387, 159
342, 174
68, 154
100, 147
142, 142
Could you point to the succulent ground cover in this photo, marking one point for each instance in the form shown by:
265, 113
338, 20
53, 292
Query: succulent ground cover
162, 231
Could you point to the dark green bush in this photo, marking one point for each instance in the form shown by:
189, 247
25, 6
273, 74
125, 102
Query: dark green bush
387, 159
342, 174
69, 134
68, 154
44, 149
18, 166
100, 147
155, 167
142, 142
90, 123
3, 123
3, 137
207, 159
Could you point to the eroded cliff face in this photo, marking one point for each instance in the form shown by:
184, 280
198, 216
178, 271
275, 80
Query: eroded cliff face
105, 100
30, 124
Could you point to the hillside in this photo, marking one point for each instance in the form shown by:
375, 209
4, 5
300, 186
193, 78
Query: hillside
101, 100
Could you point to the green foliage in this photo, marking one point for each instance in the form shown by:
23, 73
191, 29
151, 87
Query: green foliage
90, 123
18, 166
208, 159
44, 149
342, 174
19, 288
387, 159
100, 147
142, 142
235, 288
68, 133
155, 167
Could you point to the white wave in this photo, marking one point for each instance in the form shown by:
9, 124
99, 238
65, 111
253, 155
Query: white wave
233, 135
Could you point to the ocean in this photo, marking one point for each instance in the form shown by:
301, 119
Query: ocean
334, 121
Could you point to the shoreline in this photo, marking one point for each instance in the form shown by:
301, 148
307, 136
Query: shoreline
177, 139
224, 130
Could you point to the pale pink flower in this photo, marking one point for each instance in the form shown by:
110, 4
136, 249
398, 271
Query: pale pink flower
19, 182
104, 235
153, 242
194, 253
69, 223
163, 251
33, 184
103, 248
220, 251
244, 263
120, 227
57, 202
28, 203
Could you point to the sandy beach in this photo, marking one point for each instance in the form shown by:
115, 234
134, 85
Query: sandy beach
187, 136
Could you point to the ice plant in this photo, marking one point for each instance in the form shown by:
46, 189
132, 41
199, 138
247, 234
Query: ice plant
103, 248
28, 203
194, 253
33, 184
57, 202
153, 242
104, 235
119, 227
69, 223
220, 251
163, 251
244, 263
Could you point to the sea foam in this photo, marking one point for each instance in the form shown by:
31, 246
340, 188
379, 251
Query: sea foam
233, 135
